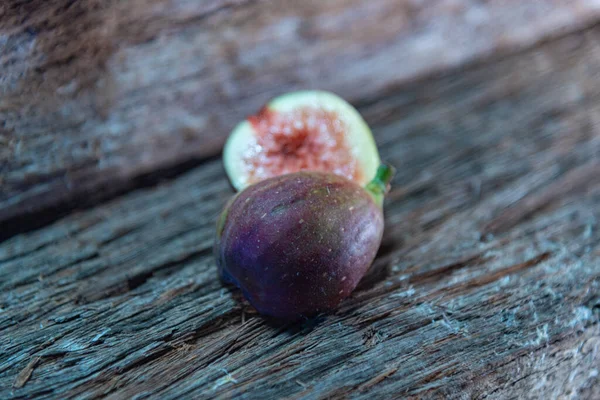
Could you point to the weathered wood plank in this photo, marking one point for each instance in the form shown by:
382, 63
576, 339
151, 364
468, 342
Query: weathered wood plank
96, 92
487, 284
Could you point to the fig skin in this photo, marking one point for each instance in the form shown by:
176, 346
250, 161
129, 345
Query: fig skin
298, 244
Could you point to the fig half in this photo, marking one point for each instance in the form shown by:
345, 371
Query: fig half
301, 131
297, 244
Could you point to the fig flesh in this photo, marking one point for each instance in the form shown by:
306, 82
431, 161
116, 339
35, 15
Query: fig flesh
301, 131
297, 244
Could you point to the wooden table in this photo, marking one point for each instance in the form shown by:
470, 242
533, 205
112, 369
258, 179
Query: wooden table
112, 117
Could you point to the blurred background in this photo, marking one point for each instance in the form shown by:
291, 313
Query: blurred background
96, 94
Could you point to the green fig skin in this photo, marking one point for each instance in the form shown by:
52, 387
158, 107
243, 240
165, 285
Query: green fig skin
298, 244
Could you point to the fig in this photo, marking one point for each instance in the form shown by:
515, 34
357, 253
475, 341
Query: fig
299, 243
301, 131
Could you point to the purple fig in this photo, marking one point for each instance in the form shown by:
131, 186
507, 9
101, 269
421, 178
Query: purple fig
297, 244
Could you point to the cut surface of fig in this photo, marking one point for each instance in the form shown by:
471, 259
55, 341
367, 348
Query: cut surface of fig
299, 243
301, 131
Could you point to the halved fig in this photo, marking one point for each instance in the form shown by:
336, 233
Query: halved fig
301, 131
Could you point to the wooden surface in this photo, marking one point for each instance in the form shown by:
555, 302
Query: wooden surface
487, 284
136, 86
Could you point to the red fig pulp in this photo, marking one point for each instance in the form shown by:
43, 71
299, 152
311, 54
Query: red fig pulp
306, 139
298, 244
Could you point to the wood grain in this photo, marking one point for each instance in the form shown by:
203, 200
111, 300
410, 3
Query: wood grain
95, 93
487, 284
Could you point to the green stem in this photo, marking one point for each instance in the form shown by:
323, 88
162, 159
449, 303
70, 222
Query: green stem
380, 184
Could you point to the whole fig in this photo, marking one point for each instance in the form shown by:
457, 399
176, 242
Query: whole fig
297, 244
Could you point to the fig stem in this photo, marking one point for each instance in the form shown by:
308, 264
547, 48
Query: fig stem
380, 184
